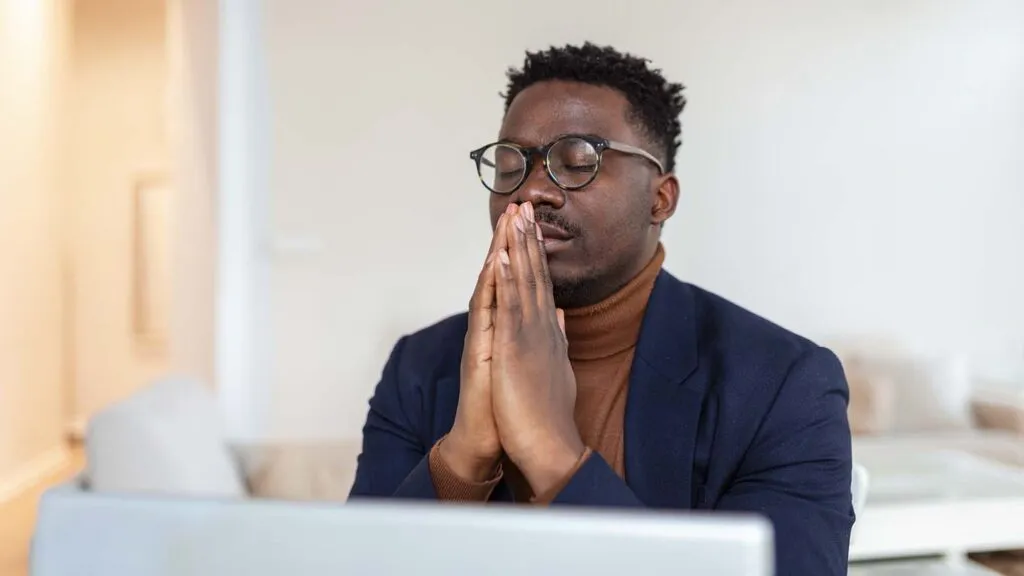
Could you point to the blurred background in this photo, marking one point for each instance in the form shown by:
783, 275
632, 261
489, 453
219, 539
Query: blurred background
261, 196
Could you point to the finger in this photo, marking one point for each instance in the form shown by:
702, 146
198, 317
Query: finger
492, 254
481, 305
497, 232
480, 325
538, 259
519, 256
483, 292
560, 314
500, 240
508, 311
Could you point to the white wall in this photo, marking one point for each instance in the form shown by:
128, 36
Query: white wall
32, 44
117, 133
849, 168
191, 125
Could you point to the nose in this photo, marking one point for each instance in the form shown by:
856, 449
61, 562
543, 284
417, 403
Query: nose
539, 189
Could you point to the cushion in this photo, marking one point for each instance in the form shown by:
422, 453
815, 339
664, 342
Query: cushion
166, 438
893, 391
315, 471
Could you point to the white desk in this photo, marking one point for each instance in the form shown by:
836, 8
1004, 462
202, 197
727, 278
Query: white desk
923, 500
920, 568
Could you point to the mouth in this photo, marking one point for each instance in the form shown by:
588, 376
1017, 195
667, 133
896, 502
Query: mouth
555, 238
553, 232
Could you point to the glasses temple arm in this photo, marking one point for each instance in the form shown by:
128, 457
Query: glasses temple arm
627, 149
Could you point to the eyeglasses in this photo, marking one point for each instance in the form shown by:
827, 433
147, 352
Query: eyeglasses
572, 162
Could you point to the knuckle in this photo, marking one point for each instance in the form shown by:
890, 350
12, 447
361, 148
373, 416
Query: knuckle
515, 306
522, 236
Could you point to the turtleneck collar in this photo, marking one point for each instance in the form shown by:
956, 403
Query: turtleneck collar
612, 325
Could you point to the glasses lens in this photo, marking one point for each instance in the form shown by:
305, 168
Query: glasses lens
502, 168
573, 162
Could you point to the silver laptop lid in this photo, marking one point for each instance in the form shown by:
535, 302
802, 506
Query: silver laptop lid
83, 533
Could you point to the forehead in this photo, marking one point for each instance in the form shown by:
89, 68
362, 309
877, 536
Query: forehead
546, 110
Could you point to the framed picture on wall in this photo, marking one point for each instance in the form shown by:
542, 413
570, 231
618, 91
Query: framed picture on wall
152, 259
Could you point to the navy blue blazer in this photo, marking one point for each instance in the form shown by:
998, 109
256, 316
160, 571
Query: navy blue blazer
725, 411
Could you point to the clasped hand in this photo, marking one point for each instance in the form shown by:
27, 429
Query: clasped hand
518, 392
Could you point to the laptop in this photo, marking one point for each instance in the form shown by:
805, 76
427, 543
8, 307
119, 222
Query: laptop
143, 535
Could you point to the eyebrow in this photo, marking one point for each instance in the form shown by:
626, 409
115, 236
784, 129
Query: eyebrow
552, 139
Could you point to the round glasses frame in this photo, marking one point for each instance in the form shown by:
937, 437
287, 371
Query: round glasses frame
528, 154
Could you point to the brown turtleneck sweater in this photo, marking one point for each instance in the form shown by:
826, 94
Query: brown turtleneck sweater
602, 339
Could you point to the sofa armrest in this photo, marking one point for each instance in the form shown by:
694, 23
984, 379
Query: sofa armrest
316, 471
165, 438
994, 410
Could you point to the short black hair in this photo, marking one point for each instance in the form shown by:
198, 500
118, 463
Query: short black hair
656, 103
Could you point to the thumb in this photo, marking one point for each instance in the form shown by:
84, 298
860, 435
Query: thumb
561, 320
480, 330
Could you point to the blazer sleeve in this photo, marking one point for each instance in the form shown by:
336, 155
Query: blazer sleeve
798, 469
393, 463
596, 484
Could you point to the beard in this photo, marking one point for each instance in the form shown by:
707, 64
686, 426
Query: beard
579, 291
573, 293
595, 280
589, 274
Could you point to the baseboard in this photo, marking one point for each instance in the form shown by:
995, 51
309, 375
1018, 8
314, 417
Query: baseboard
75, 429
33, 472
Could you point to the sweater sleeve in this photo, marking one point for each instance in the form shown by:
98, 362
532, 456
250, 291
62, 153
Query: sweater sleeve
451, 487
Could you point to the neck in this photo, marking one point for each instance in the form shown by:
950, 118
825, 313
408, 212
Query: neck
612, 325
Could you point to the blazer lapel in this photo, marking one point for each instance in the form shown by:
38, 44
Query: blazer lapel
662, 408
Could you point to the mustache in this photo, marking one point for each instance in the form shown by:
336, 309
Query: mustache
556, 219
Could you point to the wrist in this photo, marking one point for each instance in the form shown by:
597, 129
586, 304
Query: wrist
465, 461
550, 465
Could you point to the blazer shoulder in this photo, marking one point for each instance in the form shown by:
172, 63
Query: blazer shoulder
731, 336
748, 361
740, 326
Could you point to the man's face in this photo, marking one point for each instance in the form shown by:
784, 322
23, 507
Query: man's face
600, 237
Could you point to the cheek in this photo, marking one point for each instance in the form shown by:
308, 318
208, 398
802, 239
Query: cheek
612, 221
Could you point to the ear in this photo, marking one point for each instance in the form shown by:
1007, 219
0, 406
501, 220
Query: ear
665, 199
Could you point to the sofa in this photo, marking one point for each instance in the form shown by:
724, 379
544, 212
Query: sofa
168, 439
917, 404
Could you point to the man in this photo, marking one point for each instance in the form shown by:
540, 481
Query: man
584, 374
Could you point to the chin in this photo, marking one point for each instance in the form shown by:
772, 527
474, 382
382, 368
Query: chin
563, 274
570, 290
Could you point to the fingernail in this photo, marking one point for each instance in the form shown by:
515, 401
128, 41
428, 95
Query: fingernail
510, 208
540, 237
521, 222
527, 210
504, 270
